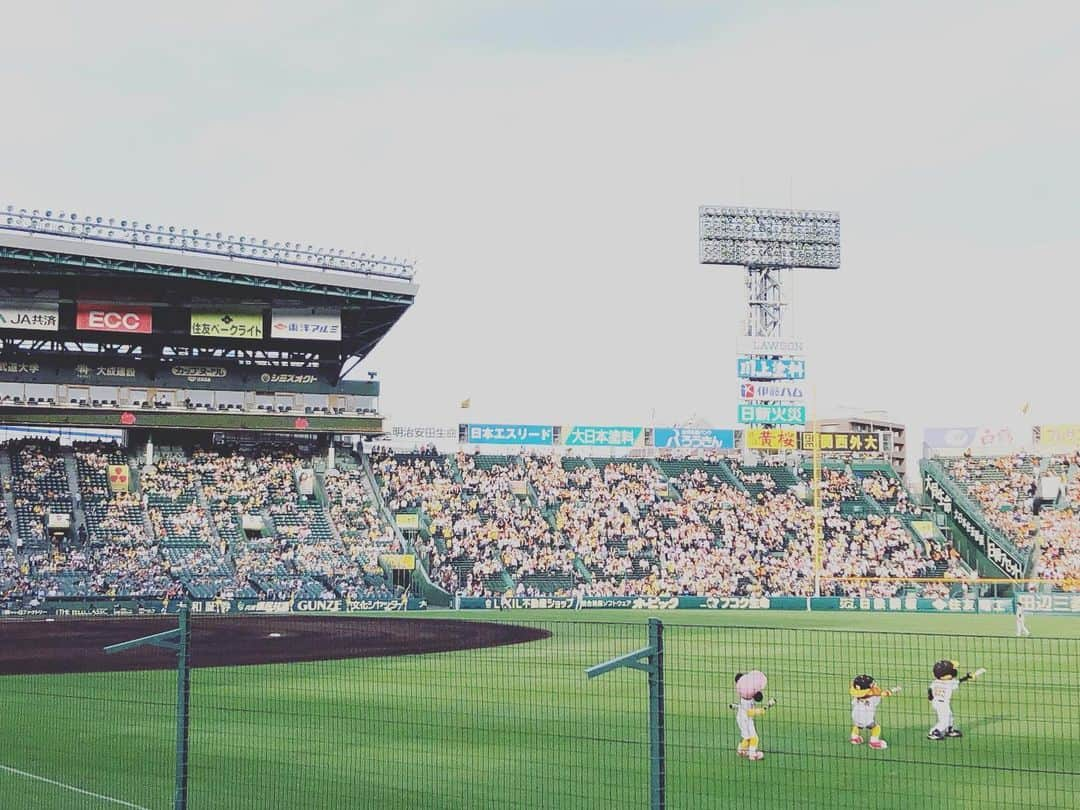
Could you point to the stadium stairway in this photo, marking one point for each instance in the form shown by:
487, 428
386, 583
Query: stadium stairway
78, 514
9, 499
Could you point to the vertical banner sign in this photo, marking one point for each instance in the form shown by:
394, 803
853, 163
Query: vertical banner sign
119, 477
222, 324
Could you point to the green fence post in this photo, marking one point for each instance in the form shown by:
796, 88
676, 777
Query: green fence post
653, 665
180, 641
657, 737
183, 702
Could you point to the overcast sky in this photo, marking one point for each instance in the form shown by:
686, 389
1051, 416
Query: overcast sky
544, 162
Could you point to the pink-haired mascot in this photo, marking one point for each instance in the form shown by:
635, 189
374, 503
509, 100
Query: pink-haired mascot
750, 687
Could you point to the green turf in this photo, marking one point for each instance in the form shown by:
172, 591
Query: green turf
521, 727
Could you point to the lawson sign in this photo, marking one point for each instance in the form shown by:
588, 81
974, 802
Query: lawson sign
785, 391
771, 346
693, 438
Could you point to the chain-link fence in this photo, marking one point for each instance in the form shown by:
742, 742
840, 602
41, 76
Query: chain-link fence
519, 725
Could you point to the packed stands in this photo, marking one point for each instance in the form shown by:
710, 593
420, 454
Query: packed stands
39, 486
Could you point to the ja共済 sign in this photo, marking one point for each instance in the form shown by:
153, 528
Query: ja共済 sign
771, 368
753, 414
37, 316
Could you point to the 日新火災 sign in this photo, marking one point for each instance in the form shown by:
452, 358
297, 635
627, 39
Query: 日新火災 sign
687, 437
510, 434
753, 414
783, 391
771, 368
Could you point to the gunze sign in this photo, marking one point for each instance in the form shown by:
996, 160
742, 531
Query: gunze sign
971, 529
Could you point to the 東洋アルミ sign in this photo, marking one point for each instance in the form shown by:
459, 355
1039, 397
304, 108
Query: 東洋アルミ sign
227, 324
114, 318
754, 414
770, 368
771, 346
783, 391
305, 324
36, 316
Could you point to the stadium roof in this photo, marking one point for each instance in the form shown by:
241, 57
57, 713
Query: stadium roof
133, 246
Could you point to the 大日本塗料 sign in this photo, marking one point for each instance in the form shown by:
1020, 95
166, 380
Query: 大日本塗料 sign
602, 436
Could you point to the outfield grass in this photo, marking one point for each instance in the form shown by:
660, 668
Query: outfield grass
522, 727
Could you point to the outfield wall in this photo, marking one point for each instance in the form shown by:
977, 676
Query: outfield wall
1064, 603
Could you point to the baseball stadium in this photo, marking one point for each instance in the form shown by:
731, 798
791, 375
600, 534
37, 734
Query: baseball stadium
228, 582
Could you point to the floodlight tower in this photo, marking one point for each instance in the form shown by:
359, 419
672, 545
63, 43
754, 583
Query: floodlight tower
766, 242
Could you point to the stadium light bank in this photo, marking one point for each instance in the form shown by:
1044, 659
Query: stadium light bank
134, 233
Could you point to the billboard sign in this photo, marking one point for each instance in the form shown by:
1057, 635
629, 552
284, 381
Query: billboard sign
769, 439
602, 436
305, 324
765, 368
119, 477
755, 414
227, 324
969, 438
782, 391
694, 438
771, 346
841, 441
136, 320
509, 434
36, 316
1061, 436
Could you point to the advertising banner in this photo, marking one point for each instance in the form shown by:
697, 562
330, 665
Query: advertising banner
413, 433
509, 434
841, 441
602, 436
305, 324
769, 439
1060, 436
123, 318
119, 477
693, 438
1049, 602
409, 521
970, 526
753, 414
399, 562
773, 391
36, 316
765, 368
771, 346
224, 324
969, 438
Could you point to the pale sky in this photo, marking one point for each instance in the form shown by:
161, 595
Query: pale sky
544, 162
